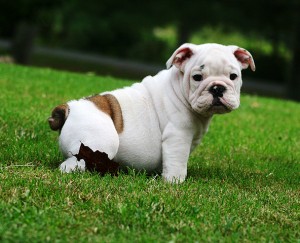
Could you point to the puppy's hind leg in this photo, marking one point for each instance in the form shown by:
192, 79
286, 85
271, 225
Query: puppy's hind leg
72, 164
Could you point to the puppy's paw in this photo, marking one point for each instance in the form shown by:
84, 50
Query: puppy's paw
174, 179
71, 165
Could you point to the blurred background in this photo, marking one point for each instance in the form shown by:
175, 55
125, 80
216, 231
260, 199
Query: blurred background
132, 39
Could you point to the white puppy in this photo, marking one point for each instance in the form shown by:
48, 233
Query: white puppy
154, 125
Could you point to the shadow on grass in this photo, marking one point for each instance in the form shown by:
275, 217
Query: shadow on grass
242, 177
237, 174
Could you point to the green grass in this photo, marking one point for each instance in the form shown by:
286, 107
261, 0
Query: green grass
243, 181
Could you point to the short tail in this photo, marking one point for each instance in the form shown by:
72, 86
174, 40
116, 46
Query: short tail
58, 117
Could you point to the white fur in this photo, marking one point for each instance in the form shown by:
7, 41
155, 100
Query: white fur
165, 116
88, 125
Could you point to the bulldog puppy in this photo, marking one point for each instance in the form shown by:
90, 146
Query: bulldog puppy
154, 125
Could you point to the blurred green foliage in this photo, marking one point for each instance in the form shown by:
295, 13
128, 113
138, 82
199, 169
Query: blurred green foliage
149, 31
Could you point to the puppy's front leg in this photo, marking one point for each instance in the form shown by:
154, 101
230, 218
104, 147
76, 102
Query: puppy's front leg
176, 149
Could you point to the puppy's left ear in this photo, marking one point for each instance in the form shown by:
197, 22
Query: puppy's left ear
244, 57
181, 56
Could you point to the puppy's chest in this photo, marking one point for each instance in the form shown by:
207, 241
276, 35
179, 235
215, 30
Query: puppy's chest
199, 132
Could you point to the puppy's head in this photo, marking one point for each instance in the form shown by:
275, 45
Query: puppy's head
210, 75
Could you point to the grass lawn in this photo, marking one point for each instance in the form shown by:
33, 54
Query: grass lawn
243, 180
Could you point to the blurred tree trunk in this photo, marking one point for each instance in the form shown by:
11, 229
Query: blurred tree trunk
183, 33
23, 42
293, 89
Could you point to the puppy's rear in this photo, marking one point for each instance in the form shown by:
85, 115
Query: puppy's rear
85, 122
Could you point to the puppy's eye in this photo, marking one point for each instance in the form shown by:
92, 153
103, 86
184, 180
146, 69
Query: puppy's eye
198, 77
233, 76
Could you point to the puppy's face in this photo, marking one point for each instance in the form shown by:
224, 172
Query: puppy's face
211, 76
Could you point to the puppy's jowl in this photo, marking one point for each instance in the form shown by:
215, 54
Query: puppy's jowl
154, 125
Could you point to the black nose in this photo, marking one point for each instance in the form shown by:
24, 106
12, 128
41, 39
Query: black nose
217, 90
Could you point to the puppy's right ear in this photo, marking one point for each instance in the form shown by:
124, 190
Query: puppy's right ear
244, 57
181, 56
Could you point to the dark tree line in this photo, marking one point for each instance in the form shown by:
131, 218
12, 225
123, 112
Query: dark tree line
125, 29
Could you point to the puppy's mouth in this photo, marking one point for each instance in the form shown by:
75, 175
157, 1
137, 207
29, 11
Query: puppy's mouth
219, 104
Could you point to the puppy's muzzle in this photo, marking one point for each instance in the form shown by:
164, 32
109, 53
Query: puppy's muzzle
217, 92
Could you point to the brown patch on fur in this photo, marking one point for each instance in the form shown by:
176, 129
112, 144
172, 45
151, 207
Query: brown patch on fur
58, 117
110, 105
97, 161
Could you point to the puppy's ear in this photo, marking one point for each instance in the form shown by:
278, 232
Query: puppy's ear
244, 57
181, 56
